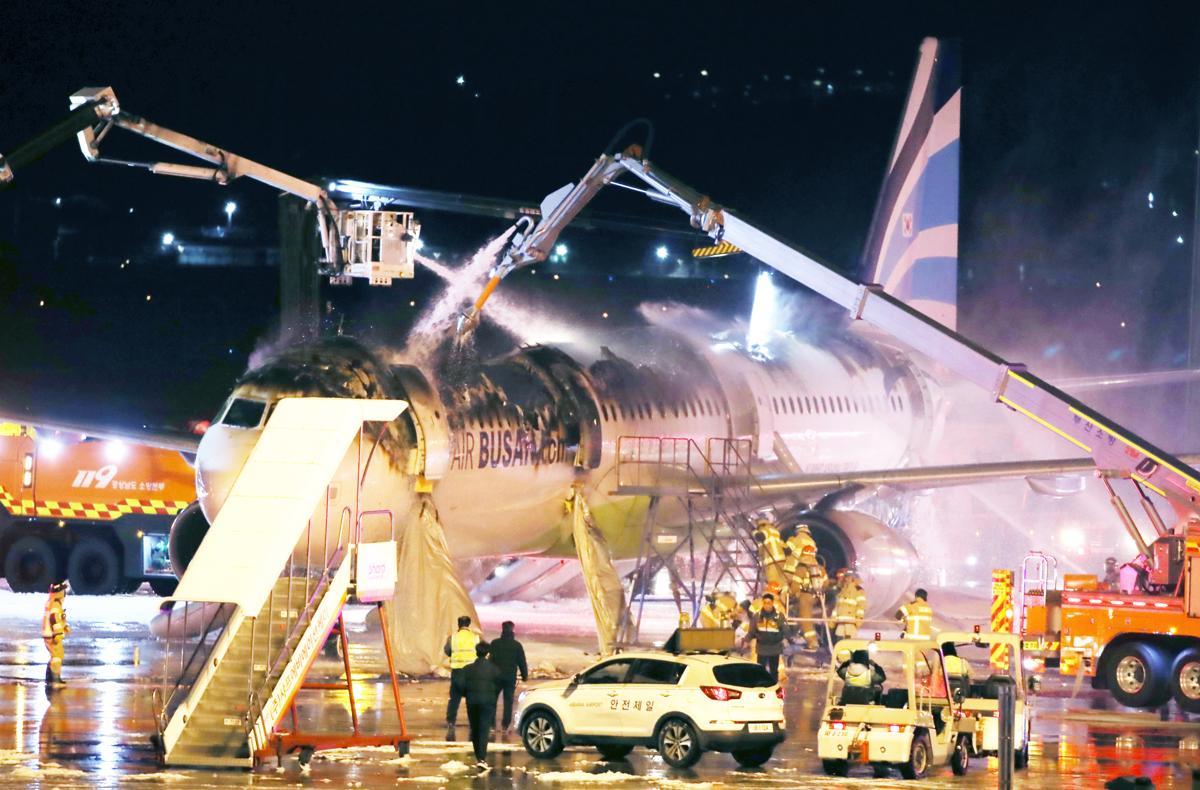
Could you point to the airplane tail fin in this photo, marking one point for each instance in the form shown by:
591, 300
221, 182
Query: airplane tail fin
912, 248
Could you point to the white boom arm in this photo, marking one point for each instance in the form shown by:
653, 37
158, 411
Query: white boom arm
1114, 449
371, 244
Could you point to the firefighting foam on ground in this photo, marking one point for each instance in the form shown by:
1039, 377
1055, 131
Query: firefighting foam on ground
831, 539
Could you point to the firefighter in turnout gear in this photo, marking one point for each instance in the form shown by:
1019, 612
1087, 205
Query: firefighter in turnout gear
460, 646
916, 616
807, 583
797, 545
54, 631
771, 554
851, 606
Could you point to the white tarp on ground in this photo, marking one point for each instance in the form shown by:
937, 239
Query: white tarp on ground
274, 496
599, 575
429, 596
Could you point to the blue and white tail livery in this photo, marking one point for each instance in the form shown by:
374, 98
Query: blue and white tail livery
912, 249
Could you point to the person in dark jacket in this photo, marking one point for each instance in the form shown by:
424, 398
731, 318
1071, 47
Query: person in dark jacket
509, 657
481, 684
770, 629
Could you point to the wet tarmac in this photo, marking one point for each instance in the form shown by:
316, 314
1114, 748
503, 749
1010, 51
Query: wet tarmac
96, 732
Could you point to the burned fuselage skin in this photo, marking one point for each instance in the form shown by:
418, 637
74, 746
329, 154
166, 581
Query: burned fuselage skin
499, 444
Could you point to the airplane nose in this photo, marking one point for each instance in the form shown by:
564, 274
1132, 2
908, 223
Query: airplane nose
220, 457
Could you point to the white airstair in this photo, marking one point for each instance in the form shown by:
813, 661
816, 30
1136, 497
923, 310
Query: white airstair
280, 581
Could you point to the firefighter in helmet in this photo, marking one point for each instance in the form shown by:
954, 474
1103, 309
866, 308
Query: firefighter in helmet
771, 553
851, 605
807, 583
55, 630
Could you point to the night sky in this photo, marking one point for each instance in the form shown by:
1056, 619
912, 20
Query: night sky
1072, 117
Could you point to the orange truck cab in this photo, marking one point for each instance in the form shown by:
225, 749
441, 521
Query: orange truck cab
95, 512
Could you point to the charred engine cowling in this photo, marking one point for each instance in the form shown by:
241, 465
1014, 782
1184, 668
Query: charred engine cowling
187, 532
882, 557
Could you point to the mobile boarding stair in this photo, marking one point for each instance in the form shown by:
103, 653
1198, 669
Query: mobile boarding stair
714, 547
278, 583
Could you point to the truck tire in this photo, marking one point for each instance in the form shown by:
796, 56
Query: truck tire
919, 756
1185, 680
960, 759
164, 587
1137, 675
94, 568
31, 565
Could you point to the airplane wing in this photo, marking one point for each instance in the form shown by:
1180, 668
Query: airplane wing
180, 441
1126, 380
811, 485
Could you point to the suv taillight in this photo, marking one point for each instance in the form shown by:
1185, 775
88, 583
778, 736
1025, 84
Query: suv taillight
720, 693
779, 692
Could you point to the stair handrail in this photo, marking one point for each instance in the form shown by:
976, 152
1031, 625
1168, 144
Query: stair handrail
186, 668
331, 563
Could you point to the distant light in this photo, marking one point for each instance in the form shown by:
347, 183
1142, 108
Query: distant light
115, 450
147, 297
1179, 239
1174, 213
418, 245
657, 75
230, 210
460, 80
58, 201
412, 303
131, 209
661, 253
533, 271
561, 250
1122, 324
1150, 199
168, 239
50, 448
604, 315
556, 276
703, 72
726, 275
972, 560
179, 248
1097, 283
41, 302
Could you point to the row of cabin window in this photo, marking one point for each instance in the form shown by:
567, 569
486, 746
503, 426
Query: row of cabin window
833, 404
700, 407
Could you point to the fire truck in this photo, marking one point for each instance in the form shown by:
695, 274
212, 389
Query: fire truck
1142, 646
96, 512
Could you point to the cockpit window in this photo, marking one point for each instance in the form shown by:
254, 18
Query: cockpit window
243, 413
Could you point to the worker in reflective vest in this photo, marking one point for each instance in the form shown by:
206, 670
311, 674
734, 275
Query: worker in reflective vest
916, 617
797, 544
460, 646
54, 631
958, 671
860, 672
770, 550
851, 606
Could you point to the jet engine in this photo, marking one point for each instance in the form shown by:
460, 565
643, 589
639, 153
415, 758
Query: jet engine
882, 557
187, 531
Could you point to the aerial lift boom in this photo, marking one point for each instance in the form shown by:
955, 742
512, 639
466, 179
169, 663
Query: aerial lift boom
1116, 451
375, 245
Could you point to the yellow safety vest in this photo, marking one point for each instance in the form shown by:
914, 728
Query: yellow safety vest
710, 617
918, 618
858, 675
685, 619
54, 619
956, 665
462, 648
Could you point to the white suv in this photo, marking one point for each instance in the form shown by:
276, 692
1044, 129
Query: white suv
681, 704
